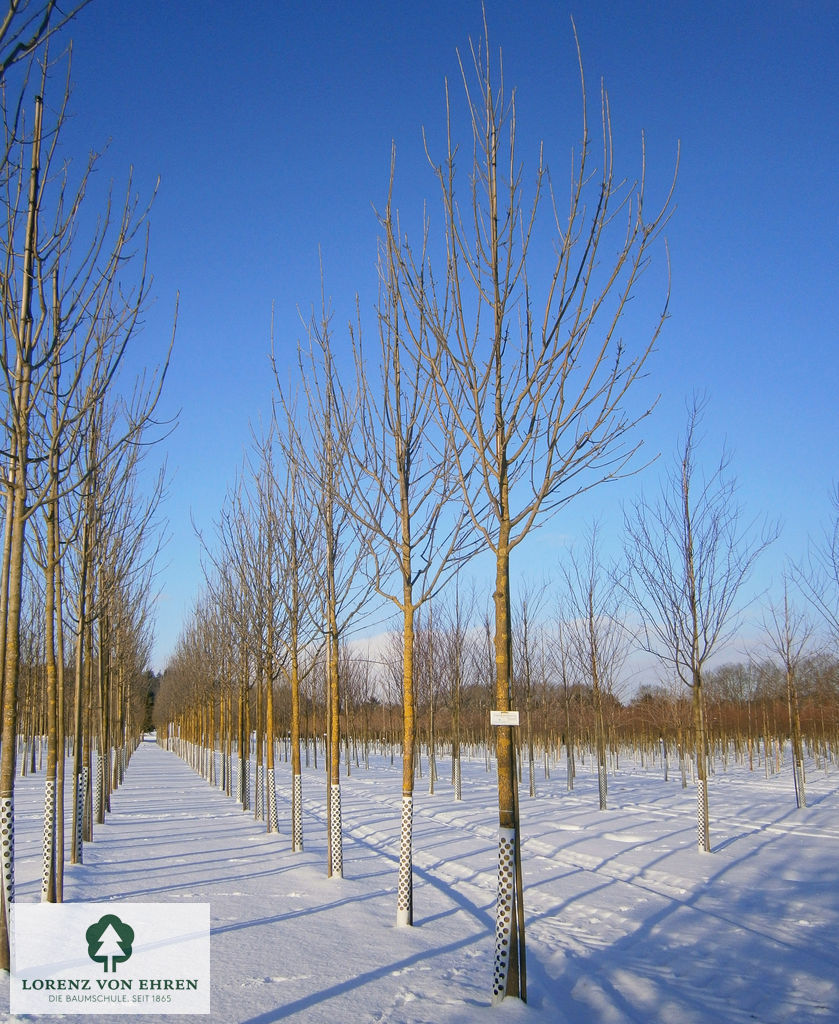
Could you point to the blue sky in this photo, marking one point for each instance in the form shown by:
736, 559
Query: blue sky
270, 126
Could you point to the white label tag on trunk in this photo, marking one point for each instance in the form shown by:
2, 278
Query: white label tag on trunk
503, 718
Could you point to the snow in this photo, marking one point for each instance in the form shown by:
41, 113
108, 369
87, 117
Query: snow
626, 920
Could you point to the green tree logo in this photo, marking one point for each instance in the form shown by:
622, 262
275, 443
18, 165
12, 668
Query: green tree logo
109, 939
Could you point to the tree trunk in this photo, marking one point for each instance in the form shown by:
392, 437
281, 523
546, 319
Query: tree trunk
259, 752
296, 771
16, 510
273, 824
76, 850
506, 980
405, 887
60, 738
48, 871
336, 865
703, 834
797, 747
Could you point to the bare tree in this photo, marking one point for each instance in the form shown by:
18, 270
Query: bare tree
323, 462
688, 555
565, 667
457, 614
789, 633
297, 536
289, 538
234, 579
268, 512
528, 665
533, 376
597, 636
69, 309
819, 578
402, 486
113, 528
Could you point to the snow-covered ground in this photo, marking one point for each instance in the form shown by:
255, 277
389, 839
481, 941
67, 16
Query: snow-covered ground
626, 920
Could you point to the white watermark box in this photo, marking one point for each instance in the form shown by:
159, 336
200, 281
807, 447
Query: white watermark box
110, 958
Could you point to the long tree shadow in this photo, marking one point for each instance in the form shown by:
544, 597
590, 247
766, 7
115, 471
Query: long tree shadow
677, 966
358, 981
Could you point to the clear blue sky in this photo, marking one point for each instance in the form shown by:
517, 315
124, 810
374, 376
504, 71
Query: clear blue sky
270, 125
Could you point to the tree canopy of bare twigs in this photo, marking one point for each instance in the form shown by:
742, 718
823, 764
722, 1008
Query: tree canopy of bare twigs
688, 555
818, 579
27, 25
322, 456
531, 374
596, 636
72, 290
402, 482
789, 633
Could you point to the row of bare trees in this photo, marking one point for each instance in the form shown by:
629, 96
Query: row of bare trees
261, 635
79, 504
501, 387
505, 382
571, 643
748, 706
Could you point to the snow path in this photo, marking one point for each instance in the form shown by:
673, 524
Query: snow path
626, 922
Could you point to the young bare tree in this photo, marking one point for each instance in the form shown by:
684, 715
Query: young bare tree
597, 636
455, 656
269, 512
402, 484
529, 668
819, 578
789, 633
233, 578
69, 309
126, 544
564, 667
531, 371
297, 536
18, 360
688, 555
323, 461
113, 528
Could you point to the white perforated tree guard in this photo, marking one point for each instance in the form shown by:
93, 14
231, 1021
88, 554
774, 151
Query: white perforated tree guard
49, 837
273, 820
259, 795
405, 894
7, 845
335, 833
504, 910
297, 815
702, 833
